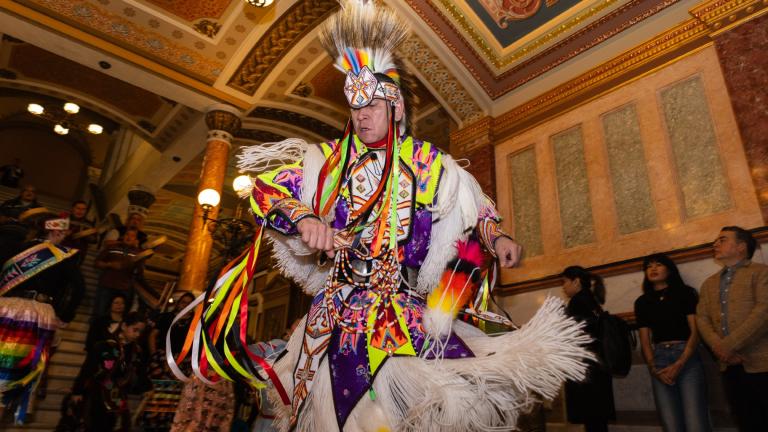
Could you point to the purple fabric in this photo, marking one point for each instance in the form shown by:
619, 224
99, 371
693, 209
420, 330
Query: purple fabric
415, 250
348, 356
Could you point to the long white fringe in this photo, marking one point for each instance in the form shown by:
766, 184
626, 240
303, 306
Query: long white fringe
262, 157
506, 377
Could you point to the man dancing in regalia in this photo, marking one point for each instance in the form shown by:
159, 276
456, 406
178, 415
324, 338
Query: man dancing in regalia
388, 233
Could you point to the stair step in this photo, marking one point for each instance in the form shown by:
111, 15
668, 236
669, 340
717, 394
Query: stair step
68, 359
63, 371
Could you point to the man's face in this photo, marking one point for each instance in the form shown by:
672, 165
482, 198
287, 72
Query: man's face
78, 210
28, 193
130, 238
727, 247
371, 122
134, 221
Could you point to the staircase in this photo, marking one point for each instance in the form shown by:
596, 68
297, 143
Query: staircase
65, 363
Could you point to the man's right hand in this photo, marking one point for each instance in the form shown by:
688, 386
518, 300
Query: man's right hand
316, 235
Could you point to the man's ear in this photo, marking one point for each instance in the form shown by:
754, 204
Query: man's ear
399, 109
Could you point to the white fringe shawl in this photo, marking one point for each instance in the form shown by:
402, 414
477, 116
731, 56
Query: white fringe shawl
507, 376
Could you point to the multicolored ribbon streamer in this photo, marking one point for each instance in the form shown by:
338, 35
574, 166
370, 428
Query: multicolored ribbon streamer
217, 332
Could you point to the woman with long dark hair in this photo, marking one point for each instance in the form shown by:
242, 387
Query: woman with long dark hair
589, 402
669, 340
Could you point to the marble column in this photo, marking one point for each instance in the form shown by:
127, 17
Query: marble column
223, 122
742, 52
474, 142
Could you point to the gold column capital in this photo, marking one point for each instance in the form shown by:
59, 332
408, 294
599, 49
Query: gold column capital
223, 122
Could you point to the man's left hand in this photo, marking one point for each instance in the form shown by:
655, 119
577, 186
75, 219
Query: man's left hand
508, 252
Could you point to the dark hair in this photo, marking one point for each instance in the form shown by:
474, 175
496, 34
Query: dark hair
119, 295
79, 202
743, 236
132, 318
674, 280
589, 281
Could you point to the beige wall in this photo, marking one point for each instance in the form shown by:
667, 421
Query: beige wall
673, 229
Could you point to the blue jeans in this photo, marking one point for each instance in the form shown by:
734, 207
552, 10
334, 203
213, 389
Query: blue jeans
682, 406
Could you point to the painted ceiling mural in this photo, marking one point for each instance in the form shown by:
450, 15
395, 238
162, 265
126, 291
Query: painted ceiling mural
510, 20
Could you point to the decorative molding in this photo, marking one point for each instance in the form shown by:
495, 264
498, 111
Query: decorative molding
472, 136
112, 27
528, 49
679, 256
207, 27
290, 27
312, 124
258, 135
722, 15
441, 79
667, 47
497, 85
224, 121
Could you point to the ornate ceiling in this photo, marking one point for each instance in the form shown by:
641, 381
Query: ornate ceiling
154, 65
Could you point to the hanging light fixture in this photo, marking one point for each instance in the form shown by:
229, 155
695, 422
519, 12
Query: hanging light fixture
259, 3
62, 117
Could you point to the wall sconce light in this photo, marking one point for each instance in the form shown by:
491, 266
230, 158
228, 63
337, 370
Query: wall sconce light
208, 199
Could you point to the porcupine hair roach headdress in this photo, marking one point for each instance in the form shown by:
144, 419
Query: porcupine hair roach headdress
362, 38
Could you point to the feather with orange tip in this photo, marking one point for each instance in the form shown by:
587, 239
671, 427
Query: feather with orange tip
457, 287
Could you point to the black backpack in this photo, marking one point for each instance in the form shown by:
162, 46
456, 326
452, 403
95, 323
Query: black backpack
616, 343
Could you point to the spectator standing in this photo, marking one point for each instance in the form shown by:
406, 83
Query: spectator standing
30, 284
589, 402
666, 317
11, 174
106, 376
121, 271
104, 327
82, 230
13, 233
732, 317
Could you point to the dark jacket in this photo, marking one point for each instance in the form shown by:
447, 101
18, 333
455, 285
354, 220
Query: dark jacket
591, 399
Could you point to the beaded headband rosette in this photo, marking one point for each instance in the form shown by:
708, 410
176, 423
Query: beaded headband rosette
58, 224
362, 39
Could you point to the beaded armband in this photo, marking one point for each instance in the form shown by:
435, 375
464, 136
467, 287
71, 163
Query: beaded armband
286, 213
489, 231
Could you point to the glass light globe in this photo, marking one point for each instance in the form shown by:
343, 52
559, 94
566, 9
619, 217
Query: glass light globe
71, 108
61, 130
208, 197
95, 128
35, 109
242, 183
260, 3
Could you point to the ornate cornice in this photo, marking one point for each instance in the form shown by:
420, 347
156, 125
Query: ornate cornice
432, 69
291, 27
527, 49
652, 54
721, 15
472, 136
293, 118
495, 85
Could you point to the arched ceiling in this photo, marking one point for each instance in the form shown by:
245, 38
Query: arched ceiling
153, 65
466, 56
